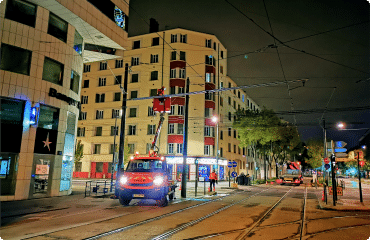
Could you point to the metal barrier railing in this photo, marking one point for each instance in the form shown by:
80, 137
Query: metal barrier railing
97, 187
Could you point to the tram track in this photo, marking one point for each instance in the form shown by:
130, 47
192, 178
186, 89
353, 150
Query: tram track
53, 231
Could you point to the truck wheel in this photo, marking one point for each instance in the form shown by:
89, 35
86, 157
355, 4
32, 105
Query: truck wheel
124, 201
163, 202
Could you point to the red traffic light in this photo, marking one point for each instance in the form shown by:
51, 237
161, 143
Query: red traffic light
326, 160
362, 163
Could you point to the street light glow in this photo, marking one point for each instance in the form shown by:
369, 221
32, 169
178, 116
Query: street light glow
340, 125
214, 119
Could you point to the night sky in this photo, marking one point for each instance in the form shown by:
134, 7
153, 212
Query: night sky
338, 72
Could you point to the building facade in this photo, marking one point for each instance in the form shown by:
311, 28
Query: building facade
42, 55
167, 58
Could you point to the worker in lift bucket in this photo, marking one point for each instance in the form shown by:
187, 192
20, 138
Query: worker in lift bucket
212, 181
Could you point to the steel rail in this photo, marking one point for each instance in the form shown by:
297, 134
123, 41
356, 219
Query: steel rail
118, 230
304, 214
189, 224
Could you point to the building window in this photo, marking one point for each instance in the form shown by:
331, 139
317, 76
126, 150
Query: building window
103, 66
238, 150
53, 71
154, 75
135, 78
114, 130
83, 115
182, 56
173, 90
183, 38
98, 131
112, 149
238, 94
57, 27
151, 129
208, 77
151, 111
99, 114
153, 92
234, 133
134, 94
22, 12
131, 147
171, 128
153, 58
182, 73
221, 69
75, 81
209, 43
234, 148
155, 41
97, 148
229, 131
180, 128
170, 148
136, 44
87, 67
80, 132
179, 148
135, 61
173, 38
229, 116
222, 54
131, 130
207, 112
209, 96
229, 85
133, 112
15, 59
117, 97
208, 131
221, 84
172, 111
118, 79
209, 60
221, 152
86, 84
181, 90
221, 101
234, 105
102, 81
119, 63
99, 98
148, 147
173, 55
180, 110
116, 113
207, 150
173, 73
221, 135
84, 99
229, 147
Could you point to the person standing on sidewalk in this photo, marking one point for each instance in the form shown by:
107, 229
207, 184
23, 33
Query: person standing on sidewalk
212, 180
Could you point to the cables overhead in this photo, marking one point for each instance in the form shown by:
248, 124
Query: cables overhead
309, 111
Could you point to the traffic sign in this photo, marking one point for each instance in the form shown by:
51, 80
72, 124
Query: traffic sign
326, 160
234, 174
327, 166
229, 164
234, 164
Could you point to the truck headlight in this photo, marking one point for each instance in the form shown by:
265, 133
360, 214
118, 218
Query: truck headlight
158, 180
123, 180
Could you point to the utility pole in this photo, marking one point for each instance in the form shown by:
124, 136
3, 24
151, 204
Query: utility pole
359, 175
334, 183
325, 154
120, 166
185, 146
114, 154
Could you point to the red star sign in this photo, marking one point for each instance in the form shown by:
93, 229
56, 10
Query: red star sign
47, 143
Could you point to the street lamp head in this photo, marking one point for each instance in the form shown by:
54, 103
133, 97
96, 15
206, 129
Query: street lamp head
341, 125
364, 147
215, 119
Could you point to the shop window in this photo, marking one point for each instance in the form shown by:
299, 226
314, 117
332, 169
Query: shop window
57, 27
15, 59
21, 11
53, 71
75, 82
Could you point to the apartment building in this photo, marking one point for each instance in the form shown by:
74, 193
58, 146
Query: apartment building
43, 47
166, 58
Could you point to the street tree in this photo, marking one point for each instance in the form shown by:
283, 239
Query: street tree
315, 151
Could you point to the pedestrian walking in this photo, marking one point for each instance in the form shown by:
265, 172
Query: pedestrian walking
212, 180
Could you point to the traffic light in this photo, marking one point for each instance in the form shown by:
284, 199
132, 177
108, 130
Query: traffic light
362, 163
332, 158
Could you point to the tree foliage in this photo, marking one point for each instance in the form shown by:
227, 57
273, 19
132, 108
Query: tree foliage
315, 151
79, 153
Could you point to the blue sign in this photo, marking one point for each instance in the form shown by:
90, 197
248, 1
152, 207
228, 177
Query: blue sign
327, 166
229, 164
234, 174
234, 164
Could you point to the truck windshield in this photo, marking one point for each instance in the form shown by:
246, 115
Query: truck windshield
292, 171
144, 165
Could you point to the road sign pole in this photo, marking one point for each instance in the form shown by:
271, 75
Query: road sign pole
359, 175
229, 178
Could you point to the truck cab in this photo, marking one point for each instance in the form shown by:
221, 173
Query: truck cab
146, 177
292, 176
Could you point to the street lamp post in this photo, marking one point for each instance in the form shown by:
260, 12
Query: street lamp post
114, 149
215, 120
